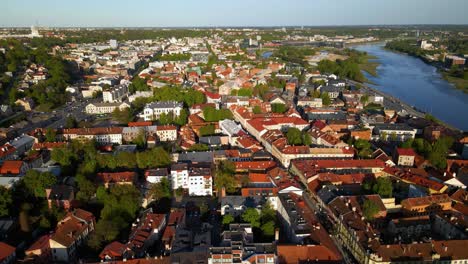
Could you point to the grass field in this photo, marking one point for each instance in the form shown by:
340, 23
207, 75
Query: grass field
459, 83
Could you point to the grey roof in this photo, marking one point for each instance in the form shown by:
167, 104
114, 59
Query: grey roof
396, 127
332, 116
236, 201
211, 140
158, 172
205, 156
61, 192
330, 88
164, 104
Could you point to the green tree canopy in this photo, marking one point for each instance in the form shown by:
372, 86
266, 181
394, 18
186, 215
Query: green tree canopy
294, 136
36, 182
251, 216
369, 209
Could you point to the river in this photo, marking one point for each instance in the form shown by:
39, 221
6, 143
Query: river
418, 84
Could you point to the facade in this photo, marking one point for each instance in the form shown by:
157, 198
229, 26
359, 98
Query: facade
404, 157
104, 108
115, 94
200, 182
71, 232
394, 132
102, 135
166, 133
179, 175
154, 110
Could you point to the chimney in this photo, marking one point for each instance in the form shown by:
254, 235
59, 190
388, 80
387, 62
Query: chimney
223, 192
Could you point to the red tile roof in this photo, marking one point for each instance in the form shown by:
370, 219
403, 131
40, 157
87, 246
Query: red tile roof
406, 152
303, 253
5, 251
6, 150
113, 250
254, 165
11, 167
116, 177
140, 124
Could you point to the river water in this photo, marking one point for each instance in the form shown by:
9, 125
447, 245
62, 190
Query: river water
418, 84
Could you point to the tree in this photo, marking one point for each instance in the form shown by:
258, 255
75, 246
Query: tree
161, 189
440, 148
207, 130
251, 216
122, 116
278, 108
364, 99
71, 122
87, 189
306, 139
325, 99
6, 201
257, 109
64, 156
227, 219
268, 229
199, 147
36, 182
224, 176
179, 191
369, 209
244, 92
294, 136
383, 187
50, 135
105, 231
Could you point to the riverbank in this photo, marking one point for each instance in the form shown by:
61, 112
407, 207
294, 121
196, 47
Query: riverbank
418, 84
458, 83
370, 66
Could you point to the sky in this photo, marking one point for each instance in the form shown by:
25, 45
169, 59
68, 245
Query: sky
212, 13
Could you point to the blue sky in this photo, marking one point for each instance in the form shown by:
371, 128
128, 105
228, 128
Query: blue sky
192, 13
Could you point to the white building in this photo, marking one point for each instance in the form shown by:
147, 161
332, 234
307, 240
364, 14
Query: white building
179, 175
140, 94
102, 135
71, 232
166, 133
115, 94
200, 182
104, 108
155, 109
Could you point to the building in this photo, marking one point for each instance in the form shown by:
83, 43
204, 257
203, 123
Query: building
7, 253
200, 182
71, 232
426, 205
105, 108
179, 175
26, 103
120, 178
13, 167
404, 157
115, 94
394, 132
156, 175
166, 133
145, 231
154, 110
238, 246
451, 60
60, 196
102, 135
39, 251
298, 254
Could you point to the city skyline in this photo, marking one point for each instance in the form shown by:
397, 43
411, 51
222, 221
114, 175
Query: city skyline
211, 13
